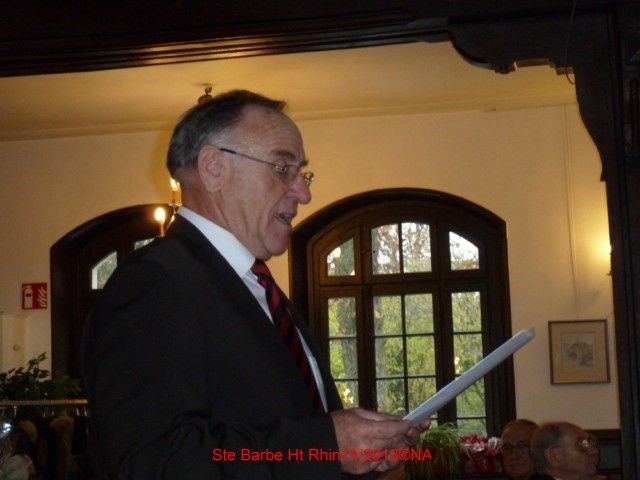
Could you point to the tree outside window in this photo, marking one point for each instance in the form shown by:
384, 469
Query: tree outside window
402, 293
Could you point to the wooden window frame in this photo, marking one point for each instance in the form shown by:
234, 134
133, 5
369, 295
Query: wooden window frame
464, 218
71, 259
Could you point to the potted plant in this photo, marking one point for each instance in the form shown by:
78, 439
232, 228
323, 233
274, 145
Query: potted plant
33, 383
444, 445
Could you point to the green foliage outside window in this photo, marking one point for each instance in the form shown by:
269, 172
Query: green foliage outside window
341, 260
464, 254
390, 348
467, 351
343, 356
385, 249
410, 335
101, 271
416, 247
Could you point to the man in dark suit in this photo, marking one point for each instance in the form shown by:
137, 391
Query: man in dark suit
196, 365
516, 455
564, 451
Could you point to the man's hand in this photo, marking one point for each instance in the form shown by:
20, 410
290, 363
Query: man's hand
413, 435
363, 434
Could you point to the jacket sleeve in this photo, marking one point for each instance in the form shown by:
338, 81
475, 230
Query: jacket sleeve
147, 373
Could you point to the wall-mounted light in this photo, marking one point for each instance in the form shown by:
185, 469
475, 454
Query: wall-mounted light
160, 213
175, 191
161, 216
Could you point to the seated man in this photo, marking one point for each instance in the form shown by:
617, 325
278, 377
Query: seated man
516, 457
565, 451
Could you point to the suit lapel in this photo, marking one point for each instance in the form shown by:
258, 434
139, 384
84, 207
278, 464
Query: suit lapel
333, 399
225, 278
222, 274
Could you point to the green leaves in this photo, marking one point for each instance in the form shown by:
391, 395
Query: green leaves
33, 383
445, 447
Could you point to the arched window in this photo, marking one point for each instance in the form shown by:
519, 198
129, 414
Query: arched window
406, 289
81, 263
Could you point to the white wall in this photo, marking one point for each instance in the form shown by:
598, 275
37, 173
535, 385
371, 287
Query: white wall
49, 187
535, 168
12, 333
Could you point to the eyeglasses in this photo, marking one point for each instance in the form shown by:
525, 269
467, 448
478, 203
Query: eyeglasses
584, 444
520, 447
287, 172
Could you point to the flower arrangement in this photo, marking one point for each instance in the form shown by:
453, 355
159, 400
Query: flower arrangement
483, 454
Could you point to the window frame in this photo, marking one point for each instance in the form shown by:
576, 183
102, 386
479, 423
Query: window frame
71, 260
478, 225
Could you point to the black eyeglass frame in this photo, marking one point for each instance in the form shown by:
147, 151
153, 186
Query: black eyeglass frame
287, 172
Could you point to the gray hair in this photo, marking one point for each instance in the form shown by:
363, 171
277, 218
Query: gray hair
548, 435
199, 124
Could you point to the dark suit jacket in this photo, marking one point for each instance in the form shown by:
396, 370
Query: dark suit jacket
179, 359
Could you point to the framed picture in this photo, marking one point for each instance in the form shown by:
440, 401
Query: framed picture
578, 351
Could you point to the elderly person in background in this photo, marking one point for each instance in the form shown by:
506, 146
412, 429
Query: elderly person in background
516, 457
564, 451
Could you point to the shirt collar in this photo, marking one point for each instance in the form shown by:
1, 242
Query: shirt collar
223, 240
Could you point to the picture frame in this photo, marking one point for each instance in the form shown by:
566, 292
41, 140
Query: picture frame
579, 351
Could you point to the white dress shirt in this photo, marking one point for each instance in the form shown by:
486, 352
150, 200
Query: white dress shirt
241, 260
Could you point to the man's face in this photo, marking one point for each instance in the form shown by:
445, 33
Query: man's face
578, 455
515, 452
257, 205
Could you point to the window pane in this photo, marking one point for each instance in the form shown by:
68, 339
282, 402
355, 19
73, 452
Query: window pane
418, 311
473, 425
385, 255
102, 270
340, 262
464, 254
348, 391
421, 356
389, 358
343, 358
416, 247
466, 312
387, 315
390, 396
142, 243
419, 390
470, 403
467, 351
342, 316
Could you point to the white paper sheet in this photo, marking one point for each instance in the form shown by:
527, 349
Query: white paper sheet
468, 378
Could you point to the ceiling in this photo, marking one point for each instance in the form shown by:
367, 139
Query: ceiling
394, 79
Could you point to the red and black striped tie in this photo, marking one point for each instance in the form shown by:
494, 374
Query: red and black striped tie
287, 329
